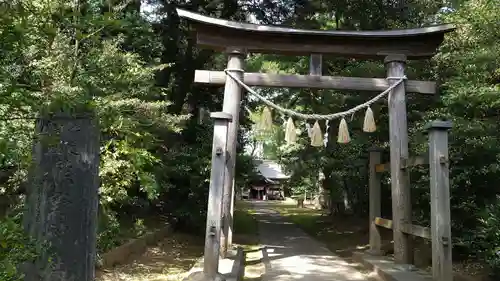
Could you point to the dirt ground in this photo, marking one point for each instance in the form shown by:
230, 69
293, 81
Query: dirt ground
167, 261
174, 256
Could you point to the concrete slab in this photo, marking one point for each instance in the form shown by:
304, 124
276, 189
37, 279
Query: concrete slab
230, 268
387, 270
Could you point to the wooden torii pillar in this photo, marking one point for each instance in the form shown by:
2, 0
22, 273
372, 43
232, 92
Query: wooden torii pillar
392, 46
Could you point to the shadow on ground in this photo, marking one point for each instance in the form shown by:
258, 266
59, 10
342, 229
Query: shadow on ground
167, 261
293, 255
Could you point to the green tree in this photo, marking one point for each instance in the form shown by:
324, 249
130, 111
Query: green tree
468, 66
63, 69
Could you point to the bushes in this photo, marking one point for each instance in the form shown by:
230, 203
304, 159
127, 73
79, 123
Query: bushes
109, 62
488, 237
108, 232
468, 66
15, 248
113, 231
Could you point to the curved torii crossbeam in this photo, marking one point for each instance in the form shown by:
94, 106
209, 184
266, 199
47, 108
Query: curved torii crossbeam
417, 43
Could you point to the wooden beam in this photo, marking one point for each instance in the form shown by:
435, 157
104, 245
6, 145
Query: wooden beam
379, 168
314, 82
400, 178
316, 64
417, 230
316, 69
218, 34
375, 205
412, 229
214, 210
442, 269
412, 162
383, 222
416, 161
231, 105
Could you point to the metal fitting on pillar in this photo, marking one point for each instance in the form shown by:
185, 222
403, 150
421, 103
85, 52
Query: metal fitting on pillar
221, 116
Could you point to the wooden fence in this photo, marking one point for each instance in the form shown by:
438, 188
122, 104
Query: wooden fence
440, 231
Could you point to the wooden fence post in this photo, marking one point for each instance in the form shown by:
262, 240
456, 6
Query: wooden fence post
374, 200
231, 105
442, 269
400, 185
214, 211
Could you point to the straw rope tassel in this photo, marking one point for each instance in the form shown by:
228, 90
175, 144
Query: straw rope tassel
316, 135
308, 129
266, 120
369, 124
343, 132
290, 132
327, 129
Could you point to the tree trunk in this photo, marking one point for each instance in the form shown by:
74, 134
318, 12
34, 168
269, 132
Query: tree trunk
346, 198
62, 198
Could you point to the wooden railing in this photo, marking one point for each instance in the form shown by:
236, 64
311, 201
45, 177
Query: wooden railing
440, 231
412, 229
411, 162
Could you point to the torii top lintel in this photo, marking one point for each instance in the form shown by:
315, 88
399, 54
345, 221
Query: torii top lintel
219, 34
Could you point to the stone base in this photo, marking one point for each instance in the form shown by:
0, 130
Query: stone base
386, 270
200, 276
230, 269
375, 252
232, 253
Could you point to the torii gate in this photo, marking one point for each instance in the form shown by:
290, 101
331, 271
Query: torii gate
236, 39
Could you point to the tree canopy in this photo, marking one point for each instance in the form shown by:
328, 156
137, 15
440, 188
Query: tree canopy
129, 66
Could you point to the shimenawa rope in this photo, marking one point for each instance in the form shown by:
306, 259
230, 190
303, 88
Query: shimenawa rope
314, 116
315, 133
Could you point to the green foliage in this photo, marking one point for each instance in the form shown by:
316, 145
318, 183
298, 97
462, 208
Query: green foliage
468, 65
117, 83
55, 56
487, 240
109, 232
113, 232
137, 76
15, 248
246, 170
186, 179
94, 56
